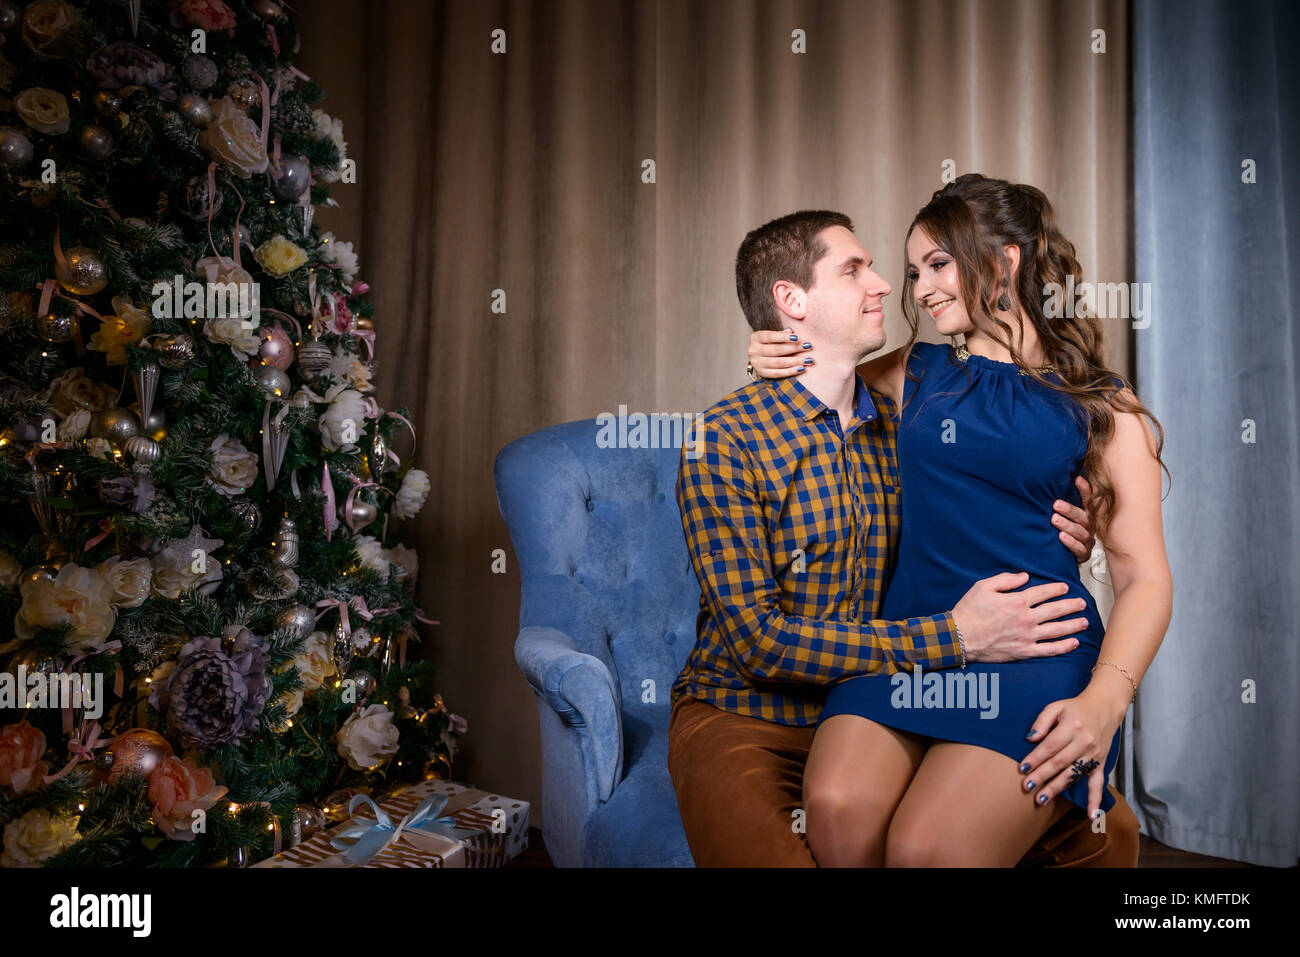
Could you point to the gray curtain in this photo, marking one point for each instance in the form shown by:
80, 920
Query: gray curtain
1210, 770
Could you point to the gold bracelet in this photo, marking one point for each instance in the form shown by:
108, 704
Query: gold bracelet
1124, 673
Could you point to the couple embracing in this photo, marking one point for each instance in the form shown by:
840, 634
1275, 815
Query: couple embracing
871, 537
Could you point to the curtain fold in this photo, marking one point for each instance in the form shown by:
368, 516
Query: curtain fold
1215, 736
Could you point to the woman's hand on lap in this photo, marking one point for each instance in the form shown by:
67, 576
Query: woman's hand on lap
1073, 729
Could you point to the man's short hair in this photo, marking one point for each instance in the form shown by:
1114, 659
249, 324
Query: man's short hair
787, 248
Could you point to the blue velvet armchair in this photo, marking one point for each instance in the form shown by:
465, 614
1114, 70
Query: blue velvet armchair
607, 618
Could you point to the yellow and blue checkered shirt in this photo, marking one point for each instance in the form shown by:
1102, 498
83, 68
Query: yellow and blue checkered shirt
792, 525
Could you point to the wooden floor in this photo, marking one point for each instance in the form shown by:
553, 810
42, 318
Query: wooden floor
1150, 854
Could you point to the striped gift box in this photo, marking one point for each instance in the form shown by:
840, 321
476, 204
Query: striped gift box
504, 822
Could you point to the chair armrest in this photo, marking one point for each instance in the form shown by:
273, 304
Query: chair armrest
580, 690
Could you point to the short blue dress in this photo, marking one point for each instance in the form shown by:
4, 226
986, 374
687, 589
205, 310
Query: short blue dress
983, 453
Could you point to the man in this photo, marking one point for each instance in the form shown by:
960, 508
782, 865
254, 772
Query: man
791, 517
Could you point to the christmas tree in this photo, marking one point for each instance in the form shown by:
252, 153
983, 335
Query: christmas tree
204, 614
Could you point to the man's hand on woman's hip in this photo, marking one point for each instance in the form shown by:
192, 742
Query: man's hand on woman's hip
999, 624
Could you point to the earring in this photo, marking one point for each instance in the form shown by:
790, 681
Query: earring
1004, 303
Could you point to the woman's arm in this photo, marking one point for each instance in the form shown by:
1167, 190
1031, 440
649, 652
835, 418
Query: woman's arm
774, 355
1081, 728
1135, 554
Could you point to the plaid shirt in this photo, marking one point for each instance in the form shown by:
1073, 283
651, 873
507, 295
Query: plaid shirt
792, 526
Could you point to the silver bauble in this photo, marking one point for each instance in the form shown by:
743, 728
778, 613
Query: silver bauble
116, 424
192, 198
174, 352
55, 327
83, 272
199, 72
363, 513
196, 109
16, 150
299, 620
245, 94
295, 177
239, 857
364, 682
272, 381
286, 544
249, 515
143, 449
314, 356
96, 142
155, 426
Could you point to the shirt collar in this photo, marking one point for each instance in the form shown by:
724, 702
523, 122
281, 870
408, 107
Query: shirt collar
796, 395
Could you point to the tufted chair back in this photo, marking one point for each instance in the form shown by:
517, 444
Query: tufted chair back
601, 553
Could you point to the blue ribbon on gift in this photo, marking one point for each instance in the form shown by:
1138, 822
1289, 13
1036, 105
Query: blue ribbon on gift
363, 838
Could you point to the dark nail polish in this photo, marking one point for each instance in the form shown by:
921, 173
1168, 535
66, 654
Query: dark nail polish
793, 337
1042, 799
807, 345
1024, 767
808, 361
1030, 785
1031, 733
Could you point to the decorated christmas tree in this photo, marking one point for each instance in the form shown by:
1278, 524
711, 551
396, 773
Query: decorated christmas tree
204, 611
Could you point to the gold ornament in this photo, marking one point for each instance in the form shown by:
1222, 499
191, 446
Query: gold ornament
83, 272
365, 323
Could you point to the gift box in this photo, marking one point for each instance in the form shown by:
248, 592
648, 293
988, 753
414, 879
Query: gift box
472, 828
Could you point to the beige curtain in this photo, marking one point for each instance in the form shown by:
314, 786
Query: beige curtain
523, 172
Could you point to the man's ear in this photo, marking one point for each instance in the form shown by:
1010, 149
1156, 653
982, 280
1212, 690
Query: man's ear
791, 299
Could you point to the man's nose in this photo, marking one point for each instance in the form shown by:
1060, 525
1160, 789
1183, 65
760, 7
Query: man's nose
878, 285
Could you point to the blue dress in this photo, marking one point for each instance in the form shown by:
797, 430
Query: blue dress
983, 453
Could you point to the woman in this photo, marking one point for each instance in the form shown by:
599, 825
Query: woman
905, 772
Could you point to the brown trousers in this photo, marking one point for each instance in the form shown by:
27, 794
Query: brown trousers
739, 781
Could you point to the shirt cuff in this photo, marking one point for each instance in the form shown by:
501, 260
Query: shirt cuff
934, 642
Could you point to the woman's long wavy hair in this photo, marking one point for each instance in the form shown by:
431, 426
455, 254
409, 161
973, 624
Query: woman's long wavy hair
972, 219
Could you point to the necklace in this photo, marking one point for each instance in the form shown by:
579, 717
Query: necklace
963, 354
